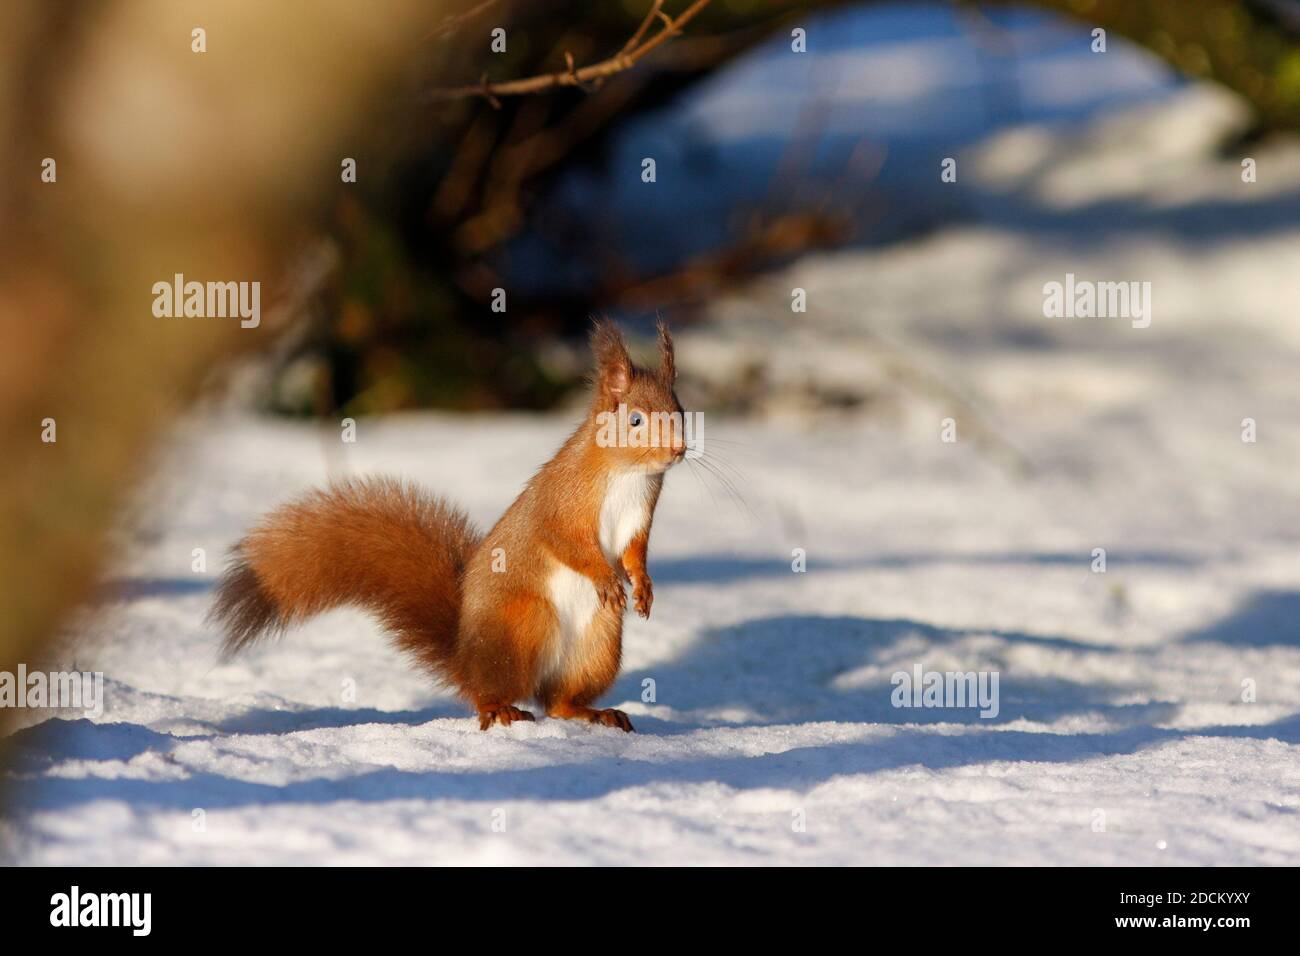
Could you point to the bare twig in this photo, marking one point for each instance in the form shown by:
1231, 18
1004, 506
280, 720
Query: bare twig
633, 51
645, 25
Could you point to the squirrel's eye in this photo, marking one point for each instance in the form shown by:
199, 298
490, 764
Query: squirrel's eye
635, 419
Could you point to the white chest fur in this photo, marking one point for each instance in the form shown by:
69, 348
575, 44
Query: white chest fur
624, 513
574, 598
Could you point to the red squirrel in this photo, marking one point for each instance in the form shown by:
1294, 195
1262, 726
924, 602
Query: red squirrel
533, 610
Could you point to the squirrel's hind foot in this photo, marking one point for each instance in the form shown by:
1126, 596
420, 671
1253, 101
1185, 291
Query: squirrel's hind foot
504, 716
612, 718
608, 716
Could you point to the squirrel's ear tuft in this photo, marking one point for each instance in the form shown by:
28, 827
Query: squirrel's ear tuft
667, 364
613, 367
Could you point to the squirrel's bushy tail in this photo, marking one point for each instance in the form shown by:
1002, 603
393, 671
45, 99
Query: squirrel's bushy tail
377, 544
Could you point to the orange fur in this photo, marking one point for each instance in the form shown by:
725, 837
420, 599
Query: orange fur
503, 617
379, 544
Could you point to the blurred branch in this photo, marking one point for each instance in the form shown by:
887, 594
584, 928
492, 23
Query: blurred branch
454, 21
632, 52
768, 242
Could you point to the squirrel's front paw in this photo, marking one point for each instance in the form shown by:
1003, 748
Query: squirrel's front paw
611, 593
643, 594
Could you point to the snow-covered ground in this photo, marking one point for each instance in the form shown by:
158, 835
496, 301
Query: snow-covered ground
1147, 714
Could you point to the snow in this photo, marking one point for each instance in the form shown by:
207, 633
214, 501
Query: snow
1125, 734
